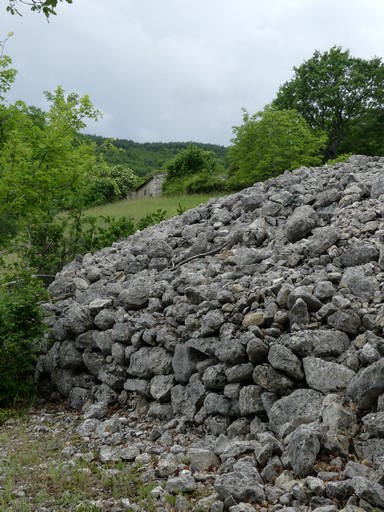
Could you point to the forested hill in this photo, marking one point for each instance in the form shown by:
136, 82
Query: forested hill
147, 157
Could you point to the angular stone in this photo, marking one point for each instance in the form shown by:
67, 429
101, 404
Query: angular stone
256, 318
231, 352
353, 469
316, 342
140, 386
301, 223
283, 359
69, 356
359, 254
272, 380
298, 314
108, 454
374, 424
136, 294
220, 404
104, 342
239, 373
211, 323
367, 385
201, 459
300, 407
322, 239
161, 411
184, 362
346, 320
250, 401
340, 420
161, 386
77, 398
360, 284
105, 319
303, 448
113, 375
326, 376
182, 483
188, 399
370, 450
148, 362
369, 491
257, 351
377, 188
241, 486
93, 361
214, 377
304, 293
78, 319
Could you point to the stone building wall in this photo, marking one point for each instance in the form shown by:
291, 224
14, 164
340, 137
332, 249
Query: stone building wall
152, 187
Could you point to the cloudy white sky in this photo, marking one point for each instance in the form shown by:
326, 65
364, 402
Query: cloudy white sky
180, 70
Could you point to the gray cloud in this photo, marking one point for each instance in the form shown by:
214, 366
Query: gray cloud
181, 70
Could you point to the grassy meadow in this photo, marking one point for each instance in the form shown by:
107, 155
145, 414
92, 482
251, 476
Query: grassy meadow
137, 208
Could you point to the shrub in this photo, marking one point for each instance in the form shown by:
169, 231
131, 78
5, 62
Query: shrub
204, 182
21, 328
151, 219
102, 231
339, 159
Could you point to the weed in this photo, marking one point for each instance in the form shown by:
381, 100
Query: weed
181, 208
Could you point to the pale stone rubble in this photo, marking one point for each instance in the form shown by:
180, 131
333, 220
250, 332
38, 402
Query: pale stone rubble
255, 321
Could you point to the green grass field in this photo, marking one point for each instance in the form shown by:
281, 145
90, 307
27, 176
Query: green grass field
138, 208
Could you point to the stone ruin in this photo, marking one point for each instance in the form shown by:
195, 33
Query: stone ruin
258, 319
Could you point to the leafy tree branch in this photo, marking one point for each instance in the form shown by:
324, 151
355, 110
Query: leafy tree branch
47, 7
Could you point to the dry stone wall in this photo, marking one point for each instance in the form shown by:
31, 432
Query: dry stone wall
258, 319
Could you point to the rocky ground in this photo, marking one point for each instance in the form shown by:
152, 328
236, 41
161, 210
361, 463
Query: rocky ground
125, 462
255, 322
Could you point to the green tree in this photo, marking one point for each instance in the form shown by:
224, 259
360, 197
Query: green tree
21, 328
333, 91
45, 174
114, 183
269, 143
187, 164
7, 73
47, 7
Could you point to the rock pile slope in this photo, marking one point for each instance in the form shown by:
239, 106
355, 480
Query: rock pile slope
258, 319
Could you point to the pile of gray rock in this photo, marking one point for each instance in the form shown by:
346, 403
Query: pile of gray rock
256, 318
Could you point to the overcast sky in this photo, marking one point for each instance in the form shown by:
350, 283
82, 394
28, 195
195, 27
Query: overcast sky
180, 70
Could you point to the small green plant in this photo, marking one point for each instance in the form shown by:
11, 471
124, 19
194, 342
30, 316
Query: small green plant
151, 219
339, 159
5, 414
87, 507
181, 208
103, 231
21, 327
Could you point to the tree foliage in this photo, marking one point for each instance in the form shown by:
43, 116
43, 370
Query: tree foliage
113, 183
49, 176
21, 327
44, 176
146, 158
47, 7
269, 143
336, 93
190, 170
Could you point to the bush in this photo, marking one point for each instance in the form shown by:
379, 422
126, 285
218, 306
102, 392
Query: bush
151, 219
21, 328
204, 182
102, 231
192, 166
339, 159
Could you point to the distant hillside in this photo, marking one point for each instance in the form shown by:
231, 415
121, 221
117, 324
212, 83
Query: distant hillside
148, 157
